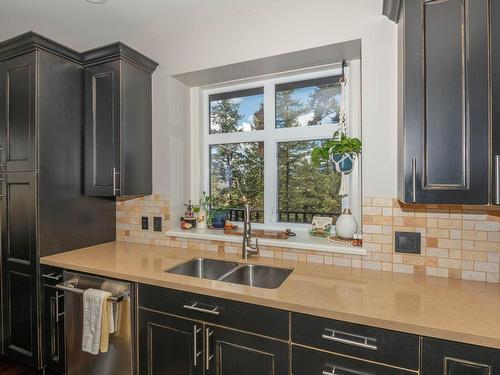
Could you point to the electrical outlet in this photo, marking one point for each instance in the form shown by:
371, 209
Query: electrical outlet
407, 242
144, 223
157, 223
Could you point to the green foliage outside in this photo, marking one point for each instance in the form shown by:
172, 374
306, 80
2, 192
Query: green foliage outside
237, 170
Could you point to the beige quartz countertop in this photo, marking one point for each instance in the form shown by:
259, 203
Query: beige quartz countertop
464, 311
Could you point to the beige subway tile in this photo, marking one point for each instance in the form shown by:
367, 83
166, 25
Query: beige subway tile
486, 246
431, 261
468, 224
455, 234
439, 233
480, 256
356, 263
436, 271
449, 263
371, 265
449, 224
492, 277
415, 222
372, 211
494, 237
467, 265
473, 275
403, 268
449, 244
315, 259
432, 223
397, 258
493, 257
344, 262
382, 202
438, 213
455, 254
474, 215
386, 211
489, 226
474, 235
387, 267
486, 267
367, 201
437, 252
416, 260
372, 229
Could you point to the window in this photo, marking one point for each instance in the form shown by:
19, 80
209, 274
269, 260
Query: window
258, 139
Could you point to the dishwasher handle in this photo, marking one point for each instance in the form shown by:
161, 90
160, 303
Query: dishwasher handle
68, 286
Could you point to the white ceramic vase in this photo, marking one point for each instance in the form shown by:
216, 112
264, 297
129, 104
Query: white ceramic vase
346, 225
201, 219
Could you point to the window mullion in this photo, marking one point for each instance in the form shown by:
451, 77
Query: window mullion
270, 176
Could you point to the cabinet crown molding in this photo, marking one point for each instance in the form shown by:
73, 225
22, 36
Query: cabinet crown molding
31, 41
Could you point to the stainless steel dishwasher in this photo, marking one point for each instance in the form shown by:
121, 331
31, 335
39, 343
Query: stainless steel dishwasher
119, 358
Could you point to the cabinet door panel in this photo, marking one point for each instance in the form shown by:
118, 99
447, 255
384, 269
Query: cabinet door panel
102, 129
452, 358
232, 352
17, 114
167, 345
18, 224
445, 116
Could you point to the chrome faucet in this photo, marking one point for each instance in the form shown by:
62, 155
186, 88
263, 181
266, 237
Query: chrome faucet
247, 249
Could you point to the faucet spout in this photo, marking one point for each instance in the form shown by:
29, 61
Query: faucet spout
247, 249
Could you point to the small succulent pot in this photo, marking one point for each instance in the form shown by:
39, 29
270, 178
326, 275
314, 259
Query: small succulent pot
219, 219
343, 163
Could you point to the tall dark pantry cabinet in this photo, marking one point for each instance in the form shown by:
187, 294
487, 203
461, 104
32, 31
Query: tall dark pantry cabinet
43, 209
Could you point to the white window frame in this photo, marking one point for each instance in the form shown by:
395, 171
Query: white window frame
200, 134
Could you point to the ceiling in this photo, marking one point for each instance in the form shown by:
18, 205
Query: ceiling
82, 25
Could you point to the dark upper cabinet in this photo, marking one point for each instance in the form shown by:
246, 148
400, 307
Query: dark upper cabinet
495, 63
231, 352
444, 114
118, 155
169, 345
17, 114
452, 358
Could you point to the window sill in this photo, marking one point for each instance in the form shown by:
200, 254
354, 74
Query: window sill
303, 240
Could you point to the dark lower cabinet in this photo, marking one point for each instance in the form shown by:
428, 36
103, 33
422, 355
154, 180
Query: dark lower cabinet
169, 345
452, 358
52, 322
230, 352
308, 361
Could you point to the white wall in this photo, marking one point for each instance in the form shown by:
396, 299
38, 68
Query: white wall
285, 26
184, 36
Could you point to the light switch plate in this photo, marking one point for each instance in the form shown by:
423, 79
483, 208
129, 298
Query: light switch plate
407, 242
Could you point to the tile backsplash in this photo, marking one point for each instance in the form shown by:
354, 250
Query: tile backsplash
460, 242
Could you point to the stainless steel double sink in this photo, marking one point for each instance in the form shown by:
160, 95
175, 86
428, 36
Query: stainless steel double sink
232, 272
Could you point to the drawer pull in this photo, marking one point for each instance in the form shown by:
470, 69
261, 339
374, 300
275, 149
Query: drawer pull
51, 276
336, 370
355, 340
194, 307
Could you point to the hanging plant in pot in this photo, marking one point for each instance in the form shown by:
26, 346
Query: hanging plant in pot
342, 150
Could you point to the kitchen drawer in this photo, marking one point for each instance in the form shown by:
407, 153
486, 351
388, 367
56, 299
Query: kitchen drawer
243, 316
314, 362
51, 275
374, 344
453, 358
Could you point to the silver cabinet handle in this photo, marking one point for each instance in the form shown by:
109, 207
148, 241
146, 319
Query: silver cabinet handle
196, 353
208, 357
194, 307
414, 179
497, 180
115, 189
52, 276
356, 340
336, 370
